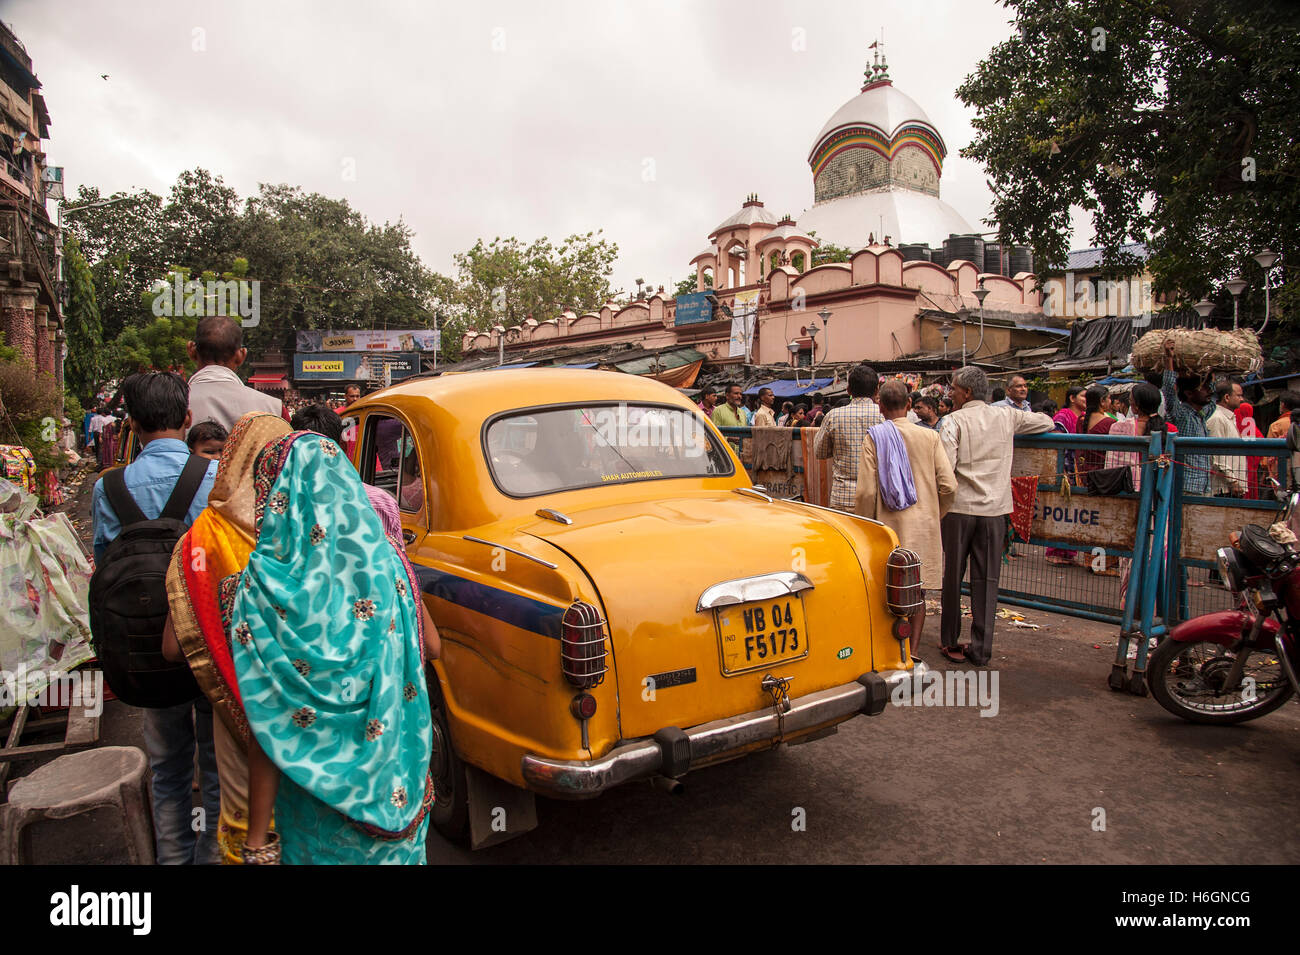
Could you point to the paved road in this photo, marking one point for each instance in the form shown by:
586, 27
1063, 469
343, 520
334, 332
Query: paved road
931, 785
937, 785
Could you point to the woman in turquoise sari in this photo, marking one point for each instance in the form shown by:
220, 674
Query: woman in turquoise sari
327, 636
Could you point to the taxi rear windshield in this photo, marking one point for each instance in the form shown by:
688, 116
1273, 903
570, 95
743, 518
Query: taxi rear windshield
560, 449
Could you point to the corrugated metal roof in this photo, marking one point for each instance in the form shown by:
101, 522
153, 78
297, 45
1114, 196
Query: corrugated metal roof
1086, 260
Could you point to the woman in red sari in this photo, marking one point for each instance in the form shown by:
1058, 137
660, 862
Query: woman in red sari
1066, 421
1246, 428
216, 547
1096, 421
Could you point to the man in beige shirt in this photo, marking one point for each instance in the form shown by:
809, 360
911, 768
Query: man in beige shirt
764, 417
216, 393
979, 440
1227, 471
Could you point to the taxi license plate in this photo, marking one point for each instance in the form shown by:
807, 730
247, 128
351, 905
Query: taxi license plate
756, 635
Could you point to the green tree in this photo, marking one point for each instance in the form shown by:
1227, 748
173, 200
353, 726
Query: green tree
322, 264
85, 368
687, 285
1172, 123
122, 245
830, 252
160, 345
505, 281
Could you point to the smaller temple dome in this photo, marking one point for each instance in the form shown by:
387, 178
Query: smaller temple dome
785, 231
751, 213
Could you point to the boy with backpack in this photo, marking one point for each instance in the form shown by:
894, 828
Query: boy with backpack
137, 520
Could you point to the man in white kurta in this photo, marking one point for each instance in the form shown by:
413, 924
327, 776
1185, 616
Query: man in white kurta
917, 526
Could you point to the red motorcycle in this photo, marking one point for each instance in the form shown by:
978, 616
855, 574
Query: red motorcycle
1236, 665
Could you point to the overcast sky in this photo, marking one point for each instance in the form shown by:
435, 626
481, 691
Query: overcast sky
649, 120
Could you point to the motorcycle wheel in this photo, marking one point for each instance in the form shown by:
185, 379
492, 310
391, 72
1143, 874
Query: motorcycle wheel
1187, 679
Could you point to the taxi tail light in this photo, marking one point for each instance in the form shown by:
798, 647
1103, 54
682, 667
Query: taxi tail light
582, 645
903, 594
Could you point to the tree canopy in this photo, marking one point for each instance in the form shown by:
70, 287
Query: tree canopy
319, 263
1171, 122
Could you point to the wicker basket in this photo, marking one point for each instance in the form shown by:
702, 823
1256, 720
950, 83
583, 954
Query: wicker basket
1199, 351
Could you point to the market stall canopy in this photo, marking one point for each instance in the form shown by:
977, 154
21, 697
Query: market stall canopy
268, 382
678, 367
789, 388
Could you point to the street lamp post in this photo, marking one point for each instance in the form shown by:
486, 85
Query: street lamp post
825, 316
501, 344
963, 314
1236, 285
981, 294
1203, 308
794, 351
945, 330
1266, 259
812, 337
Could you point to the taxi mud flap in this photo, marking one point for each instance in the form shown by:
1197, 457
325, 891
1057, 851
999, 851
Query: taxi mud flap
675, 747
877, 693
498, 811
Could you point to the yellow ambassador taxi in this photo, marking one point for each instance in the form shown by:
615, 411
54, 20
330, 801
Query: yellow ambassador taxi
616, 601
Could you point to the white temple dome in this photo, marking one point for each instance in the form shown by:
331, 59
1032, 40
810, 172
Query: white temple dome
901, 214
876, 167
881, 105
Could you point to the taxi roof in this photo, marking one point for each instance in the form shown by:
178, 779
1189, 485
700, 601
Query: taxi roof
492, 390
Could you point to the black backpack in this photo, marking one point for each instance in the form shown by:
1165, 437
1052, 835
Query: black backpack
128, 595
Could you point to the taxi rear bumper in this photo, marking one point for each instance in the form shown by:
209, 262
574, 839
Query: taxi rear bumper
672, 751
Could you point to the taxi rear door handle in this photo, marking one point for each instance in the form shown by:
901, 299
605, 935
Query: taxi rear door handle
408, 536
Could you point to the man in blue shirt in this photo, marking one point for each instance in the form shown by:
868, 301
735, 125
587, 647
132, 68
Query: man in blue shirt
1185, 399
158, 403
1017, 395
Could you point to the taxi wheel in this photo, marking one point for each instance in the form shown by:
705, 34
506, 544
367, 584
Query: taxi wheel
450, 811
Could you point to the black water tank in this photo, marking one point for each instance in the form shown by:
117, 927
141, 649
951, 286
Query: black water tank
993, 257
1022, 259
968, 247
915, 251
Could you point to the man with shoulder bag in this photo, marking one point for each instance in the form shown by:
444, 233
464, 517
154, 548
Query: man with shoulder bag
139, 513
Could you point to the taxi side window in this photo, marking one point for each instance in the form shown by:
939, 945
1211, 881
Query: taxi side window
392, 462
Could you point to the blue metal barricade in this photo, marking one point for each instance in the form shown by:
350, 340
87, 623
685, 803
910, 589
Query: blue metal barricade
1161, 533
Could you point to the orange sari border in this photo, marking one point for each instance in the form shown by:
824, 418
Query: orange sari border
191, 619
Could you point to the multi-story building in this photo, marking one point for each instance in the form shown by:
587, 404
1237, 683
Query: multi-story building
30, 310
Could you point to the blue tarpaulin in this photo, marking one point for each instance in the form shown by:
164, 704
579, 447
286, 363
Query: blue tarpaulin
788, 388
518, 364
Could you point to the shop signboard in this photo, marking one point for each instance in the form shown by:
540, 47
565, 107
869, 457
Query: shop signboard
369, 340
355, 366
694, 308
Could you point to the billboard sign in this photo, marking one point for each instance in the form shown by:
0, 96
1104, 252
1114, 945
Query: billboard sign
369, 340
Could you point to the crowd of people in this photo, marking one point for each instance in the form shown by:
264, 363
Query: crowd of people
312, 732
936, 465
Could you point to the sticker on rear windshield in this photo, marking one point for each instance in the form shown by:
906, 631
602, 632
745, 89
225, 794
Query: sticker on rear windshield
631, 475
